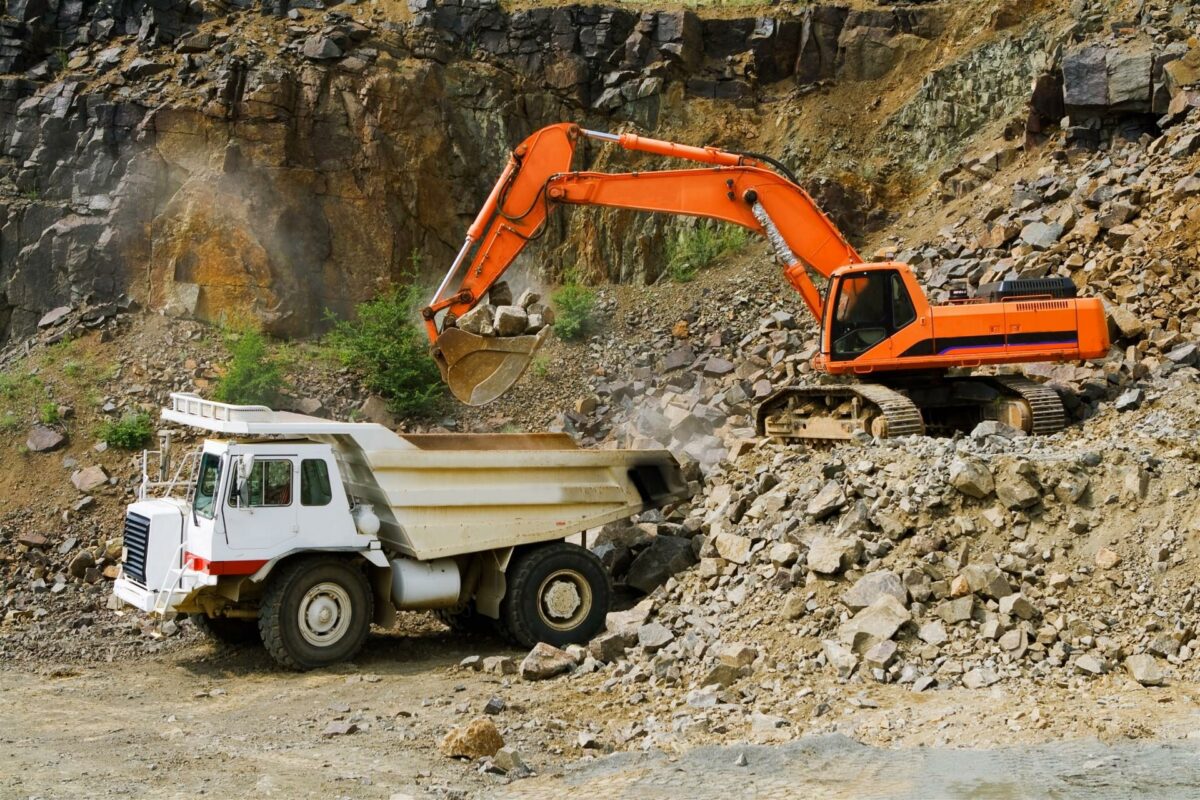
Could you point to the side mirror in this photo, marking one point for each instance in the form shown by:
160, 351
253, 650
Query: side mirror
245, 467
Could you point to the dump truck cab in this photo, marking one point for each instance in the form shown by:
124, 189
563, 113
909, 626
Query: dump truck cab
304, 531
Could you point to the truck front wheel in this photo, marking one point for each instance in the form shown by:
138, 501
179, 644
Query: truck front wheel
315, 612
557, 594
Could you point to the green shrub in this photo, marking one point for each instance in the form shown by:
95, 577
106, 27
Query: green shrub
693, 249
386, 344
253, 376
48, 412
131, 432
574, 307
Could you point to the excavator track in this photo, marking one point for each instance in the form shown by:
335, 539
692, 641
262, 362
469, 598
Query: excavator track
1045, 406
841, 412
838, 413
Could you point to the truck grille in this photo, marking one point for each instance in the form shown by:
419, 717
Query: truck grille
137, 541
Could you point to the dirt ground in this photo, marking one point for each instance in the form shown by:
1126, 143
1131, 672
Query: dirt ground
215, 721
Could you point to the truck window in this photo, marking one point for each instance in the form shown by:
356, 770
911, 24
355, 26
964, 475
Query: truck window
314, 482
270, 484
206, 485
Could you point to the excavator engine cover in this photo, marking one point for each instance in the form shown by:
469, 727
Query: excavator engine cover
478, 369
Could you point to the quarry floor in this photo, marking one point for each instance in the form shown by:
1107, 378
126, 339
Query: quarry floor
203, 720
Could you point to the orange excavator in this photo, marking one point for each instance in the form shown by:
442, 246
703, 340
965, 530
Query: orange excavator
876, 323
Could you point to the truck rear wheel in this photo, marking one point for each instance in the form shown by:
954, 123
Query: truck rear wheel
557, 594
315, 612
229, 630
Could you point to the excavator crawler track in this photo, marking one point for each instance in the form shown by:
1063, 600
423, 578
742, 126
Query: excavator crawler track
838, 413
1045, 406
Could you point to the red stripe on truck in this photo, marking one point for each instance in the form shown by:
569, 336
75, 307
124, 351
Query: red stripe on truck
223, 567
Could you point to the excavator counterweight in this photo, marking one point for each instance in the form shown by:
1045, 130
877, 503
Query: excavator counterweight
876, 323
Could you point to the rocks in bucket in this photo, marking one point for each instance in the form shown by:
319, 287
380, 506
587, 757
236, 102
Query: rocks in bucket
500, 316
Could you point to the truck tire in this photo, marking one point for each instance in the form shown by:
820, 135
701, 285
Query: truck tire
315, 612
228, 630
557, 594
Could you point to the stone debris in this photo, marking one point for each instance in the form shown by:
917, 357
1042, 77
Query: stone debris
480, 738
545, 661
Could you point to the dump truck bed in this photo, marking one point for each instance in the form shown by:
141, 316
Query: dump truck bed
441, 495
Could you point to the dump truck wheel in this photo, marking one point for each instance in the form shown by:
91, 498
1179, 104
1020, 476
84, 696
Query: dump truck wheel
315, 612
558, 594
229, 630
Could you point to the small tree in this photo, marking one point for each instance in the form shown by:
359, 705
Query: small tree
131, 432
574, 306
387, 346
253, 376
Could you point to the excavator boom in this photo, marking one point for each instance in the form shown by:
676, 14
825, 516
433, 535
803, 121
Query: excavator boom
874, 318
735, 188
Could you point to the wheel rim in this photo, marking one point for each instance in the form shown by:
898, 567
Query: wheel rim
564, 599
324, 614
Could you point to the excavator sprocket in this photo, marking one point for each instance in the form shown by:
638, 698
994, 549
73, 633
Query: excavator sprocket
1046, 414
838, 413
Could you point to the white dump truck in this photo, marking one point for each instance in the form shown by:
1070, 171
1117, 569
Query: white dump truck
304, 531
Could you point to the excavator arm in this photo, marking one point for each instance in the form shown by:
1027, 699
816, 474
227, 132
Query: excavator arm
735, 188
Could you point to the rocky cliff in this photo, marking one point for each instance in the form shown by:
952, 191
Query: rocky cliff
282, 159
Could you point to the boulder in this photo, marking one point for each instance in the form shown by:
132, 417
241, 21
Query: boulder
1016, 491
827, 501
478, 739
732, 547
665, 556
874, 624
510, 321
1144, 669
971, 477
654, 636
321, 48
829, 556
478, 320
871, 587
545, 661
89, 479
42, 439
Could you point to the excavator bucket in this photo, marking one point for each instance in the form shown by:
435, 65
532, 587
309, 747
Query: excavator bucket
478, 369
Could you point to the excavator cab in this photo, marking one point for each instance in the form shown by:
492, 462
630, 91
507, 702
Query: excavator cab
865, 307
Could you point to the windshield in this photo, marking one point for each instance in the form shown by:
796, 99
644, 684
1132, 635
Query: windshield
206, 485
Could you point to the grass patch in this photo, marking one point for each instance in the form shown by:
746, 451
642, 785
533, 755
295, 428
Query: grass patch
693, 249
9, 422
574, 311
253, 376
130, 432
386, 344
48, 412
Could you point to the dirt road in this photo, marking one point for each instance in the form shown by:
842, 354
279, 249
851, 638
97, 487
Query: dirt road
203, 720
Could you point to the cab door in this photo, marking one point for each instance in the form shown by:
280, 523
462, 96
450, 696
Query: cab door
860, 321
264, 515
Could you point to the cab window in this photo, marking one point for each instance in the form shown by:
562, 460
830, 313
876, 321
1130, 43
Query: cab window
860, 314
868, 308
207, 478
903, 311
269, 484
314, 482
